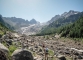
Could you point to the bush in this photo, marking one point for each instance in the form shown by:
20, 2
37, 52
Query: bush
12, 48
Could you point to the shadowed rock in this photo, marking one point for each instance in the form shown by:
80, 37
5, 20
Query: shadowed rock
20, 54
3, 55
61, 57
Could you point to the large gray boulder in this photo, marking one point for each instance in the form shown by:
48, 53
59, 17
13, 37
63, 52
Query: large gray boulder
22, 54
3, 52
3, 48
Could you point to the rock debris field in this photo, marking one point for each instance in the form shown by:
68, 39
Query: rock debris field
15, 46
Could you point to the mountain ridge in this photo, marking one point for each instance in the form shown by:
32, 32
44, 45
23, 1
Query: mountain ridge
4, 27
53, 27
34, 26
63, 15
18, 22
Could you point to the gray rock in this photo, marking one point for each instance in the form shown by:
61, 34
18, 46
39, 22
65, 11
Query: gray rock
22, 54
80, 57
30, 48
3, 56
3, 48
9, 41
61, 57
67, 52
40, 50
5, 36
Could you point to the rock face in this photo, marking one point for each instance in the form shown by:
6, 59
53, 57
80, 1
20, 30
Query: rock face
20, 54
3, 48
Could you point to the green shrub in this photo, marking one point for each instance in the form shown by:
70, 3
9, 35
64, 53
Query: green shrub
51, 52
12, 48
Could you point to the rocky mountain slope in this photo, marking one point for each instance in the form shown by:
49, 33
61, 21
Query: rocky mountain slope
31, 30
64, 15
74, 30
4, 27
23, 26
19, 22
5, 24
32, 27
62, 21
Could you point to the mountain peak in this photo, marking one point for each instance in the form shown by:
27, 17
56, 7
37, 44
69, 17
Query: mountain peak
33, 21
71, 12
64, 15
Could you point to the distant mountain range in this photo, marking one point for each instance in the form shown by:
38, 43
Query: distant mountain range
23, 26
59, 21
33, 26
19, 22
66, 20
64, 15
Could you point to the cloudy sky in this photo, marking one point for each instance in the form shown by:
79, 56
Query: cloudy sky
41, 10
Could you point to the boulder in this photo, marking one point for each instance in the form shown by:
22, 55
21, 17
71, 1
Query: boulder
22, 54
76, 51
61, 57
9, 41
3, 56
80, 57
5, 36
3, 48
67, 52
36, 46
30, 48
40, 50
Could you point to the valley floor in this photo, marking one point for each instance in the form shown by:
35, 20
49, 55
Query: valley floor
69, 48
58, 48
